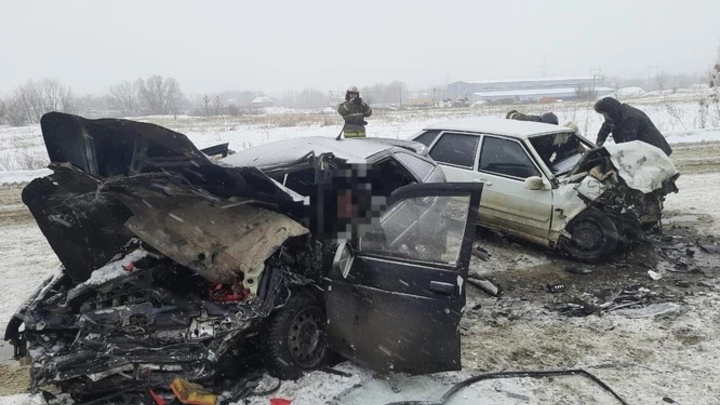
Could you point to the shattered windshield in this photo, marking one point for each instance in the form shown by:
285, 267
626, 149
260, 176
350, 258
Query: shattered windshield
560, 152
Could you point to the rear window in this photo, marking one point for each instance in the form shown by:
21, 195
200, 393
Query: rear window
302, 182
456, 149
420, 167
427, 137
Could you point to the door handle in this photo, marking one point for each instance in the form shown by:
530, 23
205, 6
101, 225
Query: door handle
483, 181
442, 288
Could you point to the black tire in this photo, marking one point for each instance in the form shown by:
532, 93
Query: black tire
295, 339
594, 236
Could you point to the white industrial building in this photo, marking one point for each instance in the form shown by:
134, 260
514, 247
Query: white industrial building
529, 90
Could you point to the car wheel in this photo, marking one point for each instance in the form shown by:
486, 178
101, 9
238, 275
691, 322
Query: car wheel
594, 236
295, 338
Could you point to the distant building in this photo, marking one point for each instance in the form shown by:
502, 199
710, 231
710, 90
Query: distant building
262, 101
529, 90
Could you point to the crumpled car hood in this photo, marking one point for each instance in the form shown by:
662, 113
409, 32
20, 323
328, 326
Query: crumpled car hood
117, 179
642, 166
220, 239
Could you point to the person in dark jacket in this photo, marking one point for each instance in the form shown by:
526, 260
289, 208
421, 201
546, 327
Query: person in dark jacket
627, 123
354, 110
548, 118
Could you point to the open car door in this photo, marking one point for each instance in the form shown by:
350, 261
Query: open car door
394, 298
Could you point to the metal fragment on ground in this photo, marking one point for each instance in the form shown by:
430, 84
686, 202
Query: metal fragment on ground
486, 286
651, 311
578, 270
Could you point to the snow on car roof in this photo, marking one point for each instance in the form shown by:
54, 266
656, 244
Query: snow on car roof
500, 126
289, 150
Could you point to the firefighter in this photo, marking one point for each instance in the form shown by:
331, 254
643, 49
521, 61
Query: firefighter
354, 110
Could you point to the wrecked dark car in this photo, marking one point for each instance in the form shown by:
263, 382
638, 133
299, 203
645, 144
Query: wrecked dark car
299, 163
174, 265
548, 185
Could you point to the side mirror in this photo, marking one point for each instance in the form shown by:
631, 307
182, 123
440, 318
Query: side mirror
534, 183
343, 260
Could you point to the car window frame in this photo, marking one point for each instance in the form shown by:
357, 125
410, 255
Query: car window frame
529, 153
546, 169
425, 131
396, 202
477, 150
432, 163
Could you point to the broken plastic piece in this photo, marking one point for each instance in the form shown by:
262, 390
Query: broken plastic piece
191, 393
654, 275
555, 288
157, 398
129, 267
280, 401
223, 293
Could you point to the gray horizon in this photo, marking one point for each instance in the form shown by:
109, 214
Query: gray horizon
276, 47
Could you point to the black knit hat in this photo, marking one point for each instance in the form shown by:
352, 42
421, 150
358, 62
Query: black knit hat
610, 106
549, 118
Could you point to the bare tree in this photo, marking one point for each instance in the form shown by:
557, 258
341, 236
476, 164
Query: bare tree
159, 95
307, 98
15, 114
714, 97
217, 106
206, 105
233, 110
123, 97
173, 95
661, 80
381, 93
33, 99
585, 93
3, 109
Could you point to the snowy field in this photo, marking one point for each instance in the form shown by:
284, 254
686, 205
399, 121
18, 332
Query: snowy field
647, 360
22, 148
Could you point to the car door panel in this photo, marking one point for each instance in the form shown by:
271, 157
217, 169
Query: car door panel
394, 312
507, 205
510, 207
404, 278
386, 336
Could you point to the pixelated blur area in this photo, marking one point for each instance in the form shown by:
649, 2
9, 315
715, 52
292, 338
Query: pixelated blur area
349, 203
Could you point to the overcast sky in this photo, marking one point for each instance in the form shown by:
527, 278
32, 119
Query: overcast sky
277, 46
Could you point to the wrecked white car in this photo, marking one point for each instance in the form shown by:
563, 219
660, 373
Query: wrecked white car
548, 185
176, 266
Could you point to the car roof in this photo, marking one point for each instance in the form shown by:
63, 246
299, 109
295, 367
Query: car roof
356, 150
500, 126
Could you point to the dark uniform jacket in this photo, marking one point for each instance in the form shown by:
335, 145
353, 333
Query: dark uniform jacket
354, 113
627, 124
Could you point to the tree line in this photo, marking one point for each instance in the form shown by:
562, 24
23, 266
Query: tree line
158, 95
27, 103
